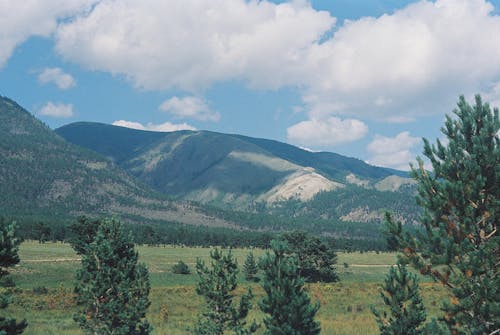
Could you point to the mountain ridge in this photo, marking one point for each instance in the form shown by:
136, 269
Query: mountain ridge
41, 174
210, 166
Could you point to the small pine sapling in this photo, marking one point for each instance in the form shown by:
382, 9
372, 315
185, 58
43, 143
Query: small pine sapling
250, 268
401, 296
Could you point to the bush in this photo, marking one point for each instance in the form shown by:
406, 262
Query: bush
181, 268
7, 281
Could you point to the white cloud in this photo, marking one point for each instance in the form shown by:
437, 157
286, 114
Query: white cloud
329, 132
393, 152
57, 76
22, 19
192, 44
164, 127
412, 62
189, 108
58, 110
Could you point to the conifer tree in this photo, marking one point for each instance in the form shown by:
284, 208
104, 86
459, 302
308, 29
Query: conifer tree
83, 233
401, 295
316, 260
287, 304
250, 268
217, 284
460, 198
112, 289
9, 246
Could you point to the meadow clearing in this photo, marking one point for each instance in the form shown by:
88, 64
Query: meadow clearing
45, 278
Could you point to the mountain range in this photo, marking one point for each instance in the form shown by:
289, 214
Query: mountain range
44, 176
232, 171
190, 177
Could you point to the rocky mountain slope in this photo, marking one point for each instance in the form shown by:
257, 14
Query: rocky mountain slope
243, 173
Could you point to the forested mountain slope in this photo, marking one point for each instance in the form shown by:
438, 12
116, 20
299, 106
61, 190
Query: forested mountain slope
42, 175
242, 173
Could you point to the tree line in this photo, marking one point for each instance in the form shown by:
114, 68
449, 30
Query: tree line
172, 233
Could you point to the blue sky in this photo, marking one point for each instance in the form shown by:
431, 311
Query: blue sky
366, 79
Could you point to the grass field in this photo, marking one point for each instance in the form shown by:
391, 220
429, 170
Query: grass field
345, 306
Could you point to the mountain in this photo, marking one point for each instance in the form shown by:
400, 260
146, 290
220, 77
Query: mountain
245, 173
43, 175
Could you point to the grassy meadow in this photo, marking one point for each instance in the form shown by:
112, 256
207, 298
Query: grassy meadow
345, 306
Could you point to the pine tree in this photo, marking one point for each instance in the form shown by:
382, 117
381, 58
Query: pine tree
217, 284
9, 246
83, 233
316, 259
250, 268
112, 289
401, 295
460, 242
287, 304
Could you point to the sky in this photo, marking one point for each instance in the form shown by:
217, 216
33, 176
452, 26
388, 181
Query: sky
364, 78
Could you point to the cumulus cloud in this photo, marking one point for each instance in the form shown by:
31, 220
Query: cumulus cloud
22, 19
189, 108
164, 127
57, 110
192, 44
394, 152
414, 61
57, 76
329, 132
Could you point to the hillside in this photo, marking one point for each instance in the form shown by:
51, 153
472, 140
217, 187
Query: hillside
44, 176
243, 173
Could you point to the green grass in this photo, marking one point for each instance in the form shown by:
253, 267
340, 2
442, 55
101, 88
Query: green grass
345, 306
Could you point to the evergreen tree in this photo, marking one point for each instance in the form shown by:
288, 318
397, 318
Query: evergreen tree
9, 246
181, 268
287, 304
401, 295
83, 233
460, 198
316, 259
217, 284
42, 231
250, 268
112, 289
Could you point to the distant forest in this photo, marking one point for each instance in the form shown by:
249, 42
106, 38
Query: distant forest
172, 233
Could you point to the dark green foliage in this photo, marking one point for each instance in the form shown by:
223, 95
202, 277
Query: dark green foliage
112, 289
341, 202
286, 303
83, 233
42, 231
436, 328
250, 268
7, 281
360, 235
9, 257
316, 259
461, 198
406, 311
217, 284
181, 268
